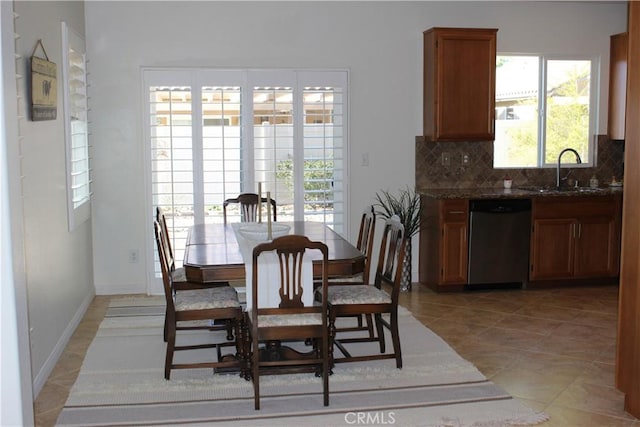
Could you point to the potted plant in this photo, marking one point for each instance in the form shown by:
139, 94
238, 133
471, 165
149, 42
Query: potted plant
406, 204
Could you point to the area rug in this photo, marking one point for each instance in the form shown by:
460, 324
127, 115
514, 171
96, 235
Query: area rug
122, 383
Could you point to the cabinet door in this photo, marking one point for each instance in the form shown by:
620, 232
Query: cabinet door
552, 248
596, 249
454, 253
460, 84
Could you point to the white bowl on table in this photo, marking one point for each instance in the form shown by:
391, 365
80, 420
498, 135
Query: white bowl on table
258, 231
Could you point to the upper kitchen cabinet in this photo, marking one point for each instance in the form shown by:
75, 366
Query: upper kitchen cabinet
459, 84
617, 85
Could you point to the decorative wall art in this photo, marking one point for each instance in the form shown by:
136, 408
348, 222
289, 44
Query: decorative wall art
44, 86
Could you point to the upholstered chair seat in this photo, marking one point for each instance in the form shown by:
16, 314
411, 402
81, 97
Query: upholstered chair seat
179, 275
203, 299
272, 320
357, 294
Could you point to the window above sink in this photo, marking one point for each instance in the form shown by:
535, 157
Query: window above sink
543, 105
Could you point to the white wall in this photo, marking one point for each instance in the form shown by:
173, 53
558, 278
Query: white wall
16, 396
58, 264
379, 42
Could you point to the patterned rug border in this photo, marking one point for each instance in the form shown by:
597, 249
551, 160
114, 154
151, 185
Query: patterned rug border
472, 401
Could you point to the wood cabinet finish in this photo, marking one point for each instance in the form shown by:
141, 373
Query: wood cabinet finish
443, 244
575, 238
552, 249
617, 85
459, 84
454, 249
628, 351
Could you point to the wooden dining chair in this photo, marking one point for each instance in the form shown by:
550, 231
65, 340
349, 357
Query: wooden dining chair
208, 304
365, 245
248, 205
162, 220
178, 275
291, 320
373, 299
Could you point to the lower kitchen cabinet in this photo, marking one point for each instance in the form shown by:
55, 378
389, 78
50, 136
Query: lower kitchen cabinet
443, 244
552, 248
454, 253
575, 238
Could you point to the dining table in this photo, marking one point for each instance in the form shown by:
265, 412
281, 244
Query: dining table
212, 252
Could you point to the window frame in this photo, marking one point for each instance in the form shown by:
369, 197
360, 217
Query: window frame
594, 84
80, 212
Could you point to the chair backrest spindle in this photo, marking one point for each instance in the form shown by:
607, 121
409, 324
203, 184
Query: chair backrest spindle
291, 272
164, 265
161, 219
248, 206
365, 239
391, 257
290, 251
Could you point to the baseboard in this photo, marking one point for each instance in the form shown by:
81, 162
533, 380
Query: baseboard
41, 378
121, 289
490, 286
546, 284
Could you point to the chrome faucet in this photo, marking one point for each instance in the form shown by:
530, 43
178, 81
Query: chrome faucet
578, 160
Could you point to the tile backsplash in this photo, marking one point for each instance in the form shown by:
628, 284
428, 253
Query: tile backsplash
479, 171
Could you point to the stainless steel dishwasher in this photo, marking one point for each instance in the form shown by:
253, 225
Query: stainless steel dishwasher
499, 234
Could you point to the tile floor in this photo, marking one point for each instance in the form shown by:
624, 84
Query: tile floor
553, 348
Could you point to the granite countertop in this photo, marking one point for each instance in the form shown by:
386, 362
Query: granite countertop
516, 192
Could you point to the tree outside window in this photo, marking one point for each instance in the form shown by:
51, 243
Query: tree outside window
524, 136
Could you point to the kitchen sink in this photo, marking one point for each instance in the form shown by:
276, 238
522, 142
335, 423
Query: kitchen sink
539, 189
562, 190
587, 189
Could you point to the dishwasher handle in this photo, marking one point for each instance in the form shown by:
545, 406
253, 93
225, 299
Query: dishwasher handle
499, 206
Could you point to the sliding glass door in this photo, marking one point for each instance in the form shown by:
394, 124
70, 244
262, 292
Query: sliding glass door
213, 134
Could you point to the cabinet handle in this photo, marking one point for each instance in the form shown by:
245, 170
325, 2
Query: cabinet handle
455, 212
577, 230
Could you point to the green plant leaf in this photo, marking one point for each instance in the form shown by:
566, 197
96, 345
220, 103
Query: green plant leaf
406, 205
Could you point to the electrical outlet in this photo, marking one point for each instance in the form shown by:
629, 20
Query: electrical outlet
465, 159
365, 159
133, 256
446, 159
